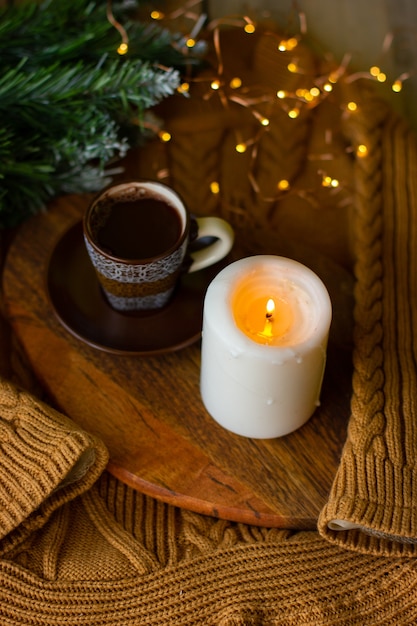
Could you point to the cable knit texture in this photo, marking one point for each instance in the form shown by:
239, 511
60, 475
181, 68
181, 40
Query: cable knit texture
77, 547
376, 483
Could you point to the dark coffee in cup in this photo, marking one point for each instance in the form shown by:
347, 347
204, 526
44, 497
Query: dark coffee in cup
140, 229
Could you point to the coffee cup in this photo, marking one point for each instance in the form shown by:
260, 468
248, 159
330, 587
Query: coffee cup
138, 236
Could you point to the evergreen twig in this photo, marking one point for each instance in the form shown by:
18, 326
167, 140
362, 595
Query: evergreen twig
67, 99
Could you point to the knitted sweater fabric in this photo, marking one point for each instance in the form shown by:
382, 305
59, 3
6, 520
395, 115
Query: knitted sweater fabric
79, 547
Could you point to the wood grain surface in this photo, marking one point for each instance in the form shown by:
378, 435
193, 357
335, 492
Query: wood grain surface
148, 409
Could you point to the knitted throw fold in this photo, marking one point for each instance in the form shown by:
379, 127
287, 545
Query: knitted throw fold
373, 503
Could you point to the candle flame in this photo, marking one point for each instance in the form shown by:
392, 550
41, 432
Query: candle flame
270, 308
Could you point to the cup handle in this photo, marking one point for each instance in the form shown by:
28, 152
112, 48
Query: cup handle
212, 227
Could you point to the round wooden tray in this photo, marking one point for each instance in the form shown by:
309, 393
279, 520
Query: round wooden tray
147, 408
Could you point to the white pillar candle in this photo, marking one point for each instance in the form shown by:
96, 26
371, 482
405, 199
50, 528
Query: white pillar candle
261, 369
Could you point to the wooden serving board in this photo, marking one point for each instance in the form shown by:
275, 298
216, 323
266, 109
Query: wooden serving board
148, 410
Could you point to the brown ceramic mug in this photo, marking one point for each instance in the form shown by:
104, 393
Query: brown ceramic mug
137, 236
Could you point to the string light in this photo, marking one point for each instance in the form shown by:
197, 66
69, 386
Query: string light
183, 88
294, 113
375, 71
288, 44
249, 28
308, 97
235, 83
352, 106
328, 181
398, 83
229, 91
164, 136
123, 47
283, 185
361, 151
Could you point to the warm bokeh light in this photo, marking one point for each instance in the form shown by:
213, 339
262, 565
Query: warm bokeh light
283, 185
122, 49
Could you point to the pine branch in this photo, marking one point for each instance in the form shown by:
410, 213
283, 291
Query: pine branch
84, 32
68, 102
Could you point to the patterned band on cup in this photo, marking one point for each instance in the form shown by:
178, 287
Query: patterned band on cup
142, 303
131, 287
136, 273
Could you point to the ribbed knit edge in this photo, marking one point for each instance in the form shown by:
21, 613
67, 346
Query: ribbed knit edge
387, 527
45, 460
303, 580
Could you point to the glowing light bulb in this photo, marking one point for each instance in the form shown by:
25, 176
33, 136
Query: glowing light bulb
249, 28
352, 106
315, 92
281, 94
381, 78
292, 67
183, 88
123, 48
157, 15
215, 85
287, 44
292, 43
293, 113
283, 185
190, 43
328, 87
265, 121
328, 181
214, 187
235, 83
361, 150
374, 70
240, 147
164, 136
398, 83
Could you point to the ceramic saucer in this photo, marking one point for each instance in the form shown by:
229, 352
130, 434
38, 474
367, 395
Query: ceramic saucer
81, 307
